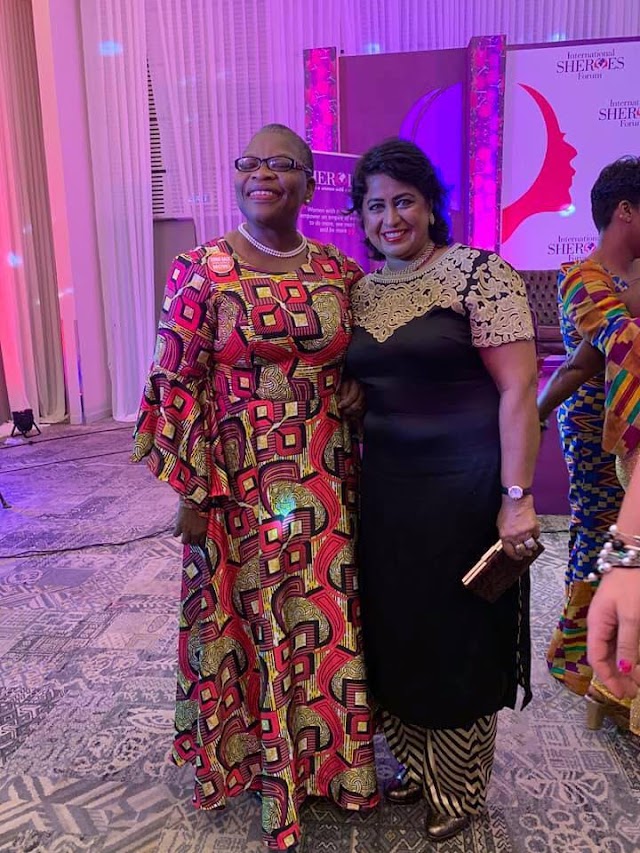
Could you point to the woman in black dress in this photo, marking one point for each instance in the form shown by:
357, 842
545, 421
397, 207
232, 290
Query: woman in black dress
443, 346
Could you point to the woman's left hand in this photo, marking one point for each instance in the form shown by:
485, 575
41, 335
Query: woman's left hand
518, 527
351, 399
613, 632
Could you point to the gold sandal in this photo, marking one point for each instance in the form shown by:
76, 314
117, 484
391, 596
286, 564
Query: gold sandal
601, 704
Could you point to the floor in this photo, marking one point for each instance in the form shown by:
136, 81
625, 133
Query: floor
88, 591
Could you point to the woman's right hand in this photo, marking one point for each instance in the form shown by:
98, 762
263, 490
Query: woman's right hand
191, 526
517, 524
613, 631
351, 399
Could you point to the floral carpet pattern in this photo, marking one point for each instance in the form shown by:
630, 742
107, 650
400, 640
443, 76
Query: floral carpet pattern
89, 578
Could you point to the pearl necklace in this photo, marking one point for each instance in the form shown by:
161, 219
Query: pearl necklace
267, 249
387, 276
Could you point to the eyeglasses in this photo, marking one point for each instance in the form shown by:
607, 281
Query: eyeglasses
276, 164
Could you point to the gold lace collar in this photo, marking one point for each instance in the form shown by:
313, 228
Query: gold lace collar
383, 306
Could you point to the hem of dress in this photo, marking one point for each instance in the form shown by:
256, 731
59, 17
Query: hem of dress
460, 723
370, 806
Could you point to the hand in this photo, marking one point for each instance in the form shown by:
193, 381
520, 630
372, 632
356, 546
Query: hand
191, 526
613, 631
517, 524
351, 399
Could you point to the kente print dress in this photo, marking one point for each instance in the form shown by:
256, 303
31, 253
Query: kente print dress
240, 417
592, 310
441, 662
595, 494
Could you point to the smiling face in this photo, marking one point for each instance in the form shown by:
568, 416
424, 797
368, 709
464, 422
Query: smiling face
272, 199
395, 218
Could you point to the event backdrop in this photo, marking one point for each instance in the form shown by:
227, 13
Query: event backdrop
448, 102
569, 110
420, 96
326, 218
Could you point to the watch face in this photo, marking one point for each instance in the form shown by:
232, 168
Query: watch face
515, 492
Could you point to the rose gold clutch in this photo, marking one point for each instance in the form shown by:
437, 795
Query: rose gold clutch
495, 572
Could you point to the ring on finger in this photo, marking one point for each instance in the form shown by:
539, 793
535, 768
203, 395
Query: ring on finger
520, 547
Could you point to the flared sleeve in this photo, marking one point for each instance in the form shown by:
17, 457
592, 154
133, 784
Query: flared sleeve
177, 430
590, 301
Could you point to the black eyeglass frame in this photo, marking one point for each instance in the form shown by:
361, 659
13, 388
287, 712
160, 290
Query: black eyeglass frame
293, 164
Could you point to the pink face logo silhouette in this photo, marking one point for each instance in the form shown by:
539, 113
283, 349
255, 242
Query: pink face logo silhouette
551, 190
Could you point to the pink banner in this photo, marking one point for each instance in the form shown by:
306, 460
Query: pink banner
325, 218
569, 110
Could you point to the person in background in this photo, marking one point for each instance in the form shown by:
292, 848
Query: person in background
443, 347
599, 422
584, 364
241, 415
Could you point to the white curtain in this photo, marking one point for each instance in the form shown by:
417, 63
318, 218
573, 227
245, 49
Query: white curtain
115, 53
30, 339
222, 68
219, 71
402, 25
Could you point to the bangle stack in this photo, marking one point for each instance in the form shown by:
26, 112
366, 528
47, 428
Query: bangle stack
617, 553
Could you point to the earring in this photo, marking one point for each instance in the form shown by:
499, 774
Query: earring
432, 219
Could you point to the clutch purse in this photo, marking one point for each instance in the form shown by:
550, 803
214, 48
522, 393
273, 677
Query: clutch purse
495, 572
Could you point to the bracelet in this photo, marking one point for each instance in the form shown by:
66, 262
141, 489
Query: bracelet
617, 554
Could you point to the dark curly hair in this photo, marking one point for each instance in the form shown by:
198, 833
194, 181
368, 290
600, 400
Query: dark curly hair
619, 181
405, 162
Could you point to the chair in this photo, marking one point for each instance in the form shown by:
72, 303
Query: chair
542, 292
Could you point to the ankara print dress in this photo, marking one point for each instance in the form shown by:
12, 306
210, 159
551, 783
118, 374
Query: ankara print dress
240, 416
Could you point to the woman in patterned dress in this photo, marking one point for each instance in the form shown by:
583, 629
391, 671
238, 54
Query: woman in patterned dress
241, 416
597, 297
443, 346
594, 500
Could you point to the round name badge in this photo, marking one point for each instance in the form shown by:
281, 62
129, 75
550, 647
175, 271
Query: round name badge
220, 263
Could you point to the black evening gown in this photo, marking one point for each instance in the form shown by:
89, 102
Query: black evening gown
437, 656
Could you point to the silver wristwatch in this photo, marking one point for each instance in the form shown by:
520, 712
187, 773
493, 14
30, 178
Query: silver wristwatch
516, 493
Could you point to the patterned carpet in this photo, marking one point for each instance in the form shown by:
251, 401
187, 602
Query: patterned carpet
87, 677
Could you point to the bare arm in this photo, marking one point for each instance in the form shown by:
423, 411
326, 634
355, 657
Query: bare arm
614, 614
513, 369
584, 363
